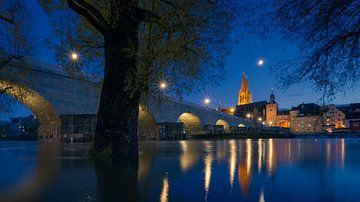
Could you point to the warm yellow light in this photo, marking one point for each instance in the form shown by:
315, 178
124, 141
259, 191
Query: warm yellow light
248, 115
74, 56
259, 119
163, 85
232, 110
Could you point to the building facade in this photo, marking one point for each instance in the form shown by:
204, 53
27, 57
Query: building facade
271, 111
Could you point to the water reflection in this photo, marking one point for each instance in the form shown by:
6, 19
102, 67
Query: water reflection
208, 166
165, 189
225, 170
232, 162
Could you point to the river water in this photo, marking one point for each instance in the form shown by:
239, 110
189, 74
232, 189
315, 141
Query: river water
224, 170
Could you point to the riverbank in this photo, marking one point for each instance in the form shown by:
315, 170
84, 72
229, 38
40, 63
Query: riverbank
272, 136
19, 138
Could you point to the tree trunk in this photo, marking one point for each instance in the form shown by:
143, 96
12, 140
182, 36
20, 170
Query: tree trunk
116, 130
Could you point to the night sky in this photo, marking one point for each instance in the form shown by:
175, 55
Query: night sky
243, 58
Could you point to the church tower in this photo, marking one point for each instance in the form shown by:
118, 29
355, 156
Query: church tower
245, 96
271, 111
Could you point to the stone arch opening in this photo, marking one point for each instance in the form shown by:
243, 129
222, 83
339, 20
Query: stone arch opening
147, 126
192, 123
223, 123
49, 120
284, 124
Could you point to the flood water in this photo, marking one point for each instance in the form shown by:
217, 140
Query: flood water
225, 170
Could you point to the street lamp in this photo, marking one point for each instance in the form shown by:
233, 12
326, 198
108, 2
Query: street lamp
163, 85
248, 115
207, 101
74, 56
259, 119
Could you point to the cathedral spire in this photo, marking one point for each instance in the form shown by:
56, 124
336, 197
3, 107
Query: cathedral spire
245, 97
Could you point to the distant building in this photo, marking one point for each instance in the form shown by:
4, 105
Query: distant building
171, 131
271, 111
214, 129
333, 118
23, 126
306, 118
352, 116
255, 110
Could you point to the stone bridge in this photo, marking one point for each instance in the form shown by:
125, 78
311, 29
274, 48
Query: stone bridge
50, 93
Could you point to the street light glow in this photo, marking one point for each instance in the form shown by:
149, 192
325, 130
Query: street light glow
248, 115
260, 119
232, 109
163, 85
74, 56
207, 101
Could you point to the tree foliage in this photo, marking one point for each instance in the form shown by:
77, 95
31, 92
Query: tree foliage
16, 41
327, 33
183, 42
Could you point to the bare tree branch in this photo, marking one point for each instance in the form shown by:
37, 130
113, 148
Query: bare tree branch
91, 14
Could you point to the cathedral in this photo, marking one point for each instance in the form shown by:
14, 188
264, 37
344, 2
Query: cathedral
245, 96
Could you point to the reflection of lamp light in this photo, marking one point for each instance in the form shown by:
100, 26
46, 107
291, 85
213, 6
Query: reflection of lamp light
165, 190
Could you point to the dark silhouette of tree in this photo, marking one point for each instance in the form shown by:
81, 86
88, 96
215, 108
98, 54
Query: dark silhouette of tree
328, 33
15, 32
139, 42
16, 42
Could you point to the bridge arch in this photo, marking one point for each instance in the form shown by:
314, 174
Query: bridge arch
192, 123
147, 126
223, 123
48, 118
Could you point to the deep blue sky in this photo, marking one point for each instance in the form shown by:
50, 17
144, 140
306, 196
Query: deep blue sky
243, 58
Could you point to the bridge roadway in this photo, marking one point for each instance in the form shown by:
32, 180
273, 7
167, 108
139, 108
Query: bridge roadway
51, 93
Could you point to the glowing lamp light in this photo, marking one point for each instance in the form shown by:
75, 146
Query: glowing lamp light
207, 101
163, 85
74, 56
232, 110
248, 116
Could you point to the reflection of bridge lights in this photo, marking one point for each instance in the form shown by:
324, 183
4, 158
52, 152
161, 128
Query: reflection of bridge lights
165, 190
208, 164
260, 154
232, 161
